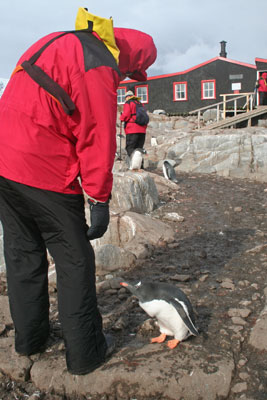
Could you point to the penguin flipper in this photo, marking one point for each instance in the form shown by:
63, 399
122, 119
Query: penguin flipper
181, 309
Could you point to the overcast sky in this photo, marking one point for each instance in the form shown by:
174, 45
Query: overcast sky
186, 32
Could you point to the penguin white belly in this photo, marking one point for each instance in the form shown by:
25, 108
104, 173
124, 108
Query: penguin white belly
169, 320
136, 160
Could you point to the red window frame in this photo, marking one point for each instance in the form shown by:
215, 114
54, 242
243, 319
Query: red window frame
140, 86
202, 89
121, 87
186, 92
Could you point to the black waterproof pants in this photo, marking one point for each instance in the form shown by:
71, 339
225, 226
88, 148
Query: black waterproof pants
134, 141
263, 98
35, 220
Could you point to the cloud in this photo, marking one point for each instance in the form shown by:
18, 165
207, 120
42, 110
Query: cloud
178, 61
186, 32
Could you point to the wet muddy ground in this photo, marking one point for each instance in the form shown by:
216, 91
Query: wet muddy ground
219, 258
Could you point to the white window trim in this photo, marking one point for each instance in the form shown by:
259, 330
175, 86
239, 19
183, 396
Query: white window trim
213, 89
141, 97
121, 102
175, 98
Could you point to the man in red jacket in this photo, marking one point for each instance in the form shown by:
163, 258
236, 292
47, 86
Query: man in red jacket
261, 85
57, 129
135, 133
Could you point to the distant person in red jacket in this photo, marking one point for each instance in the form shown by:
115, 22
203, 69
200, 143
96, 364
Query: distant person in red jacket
135, 133
261, 85
57, 130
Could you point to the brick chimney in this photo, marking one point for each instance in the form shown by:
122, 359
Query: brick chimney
223, 52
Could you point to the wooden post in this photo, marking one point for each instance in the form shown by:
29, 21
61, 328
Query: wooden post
218, 112
224, 106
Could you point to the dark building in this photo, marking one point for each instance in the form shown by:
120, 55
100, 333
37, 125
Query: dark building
196, 87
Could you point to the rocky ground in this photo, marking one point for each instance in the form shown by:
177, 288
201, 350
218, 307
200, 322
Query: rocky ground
219, 258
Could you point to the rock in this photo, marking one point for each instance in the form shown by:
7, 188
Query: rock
120, 324
228, 285
242, 362
238, 321
110, 292
134, 191
18, 367
257, 249
245, 303
159, 112
37, 395
147, 327
227, 154
111, 258
211, 115
2, 328
255, 296
180, 278
195, 377
128, 238
258, 336
244, 376
5, 317
115, 284
237, 209
203, 278
255, 286
102, 286
173, 217
234, 312
239, 387
237, 328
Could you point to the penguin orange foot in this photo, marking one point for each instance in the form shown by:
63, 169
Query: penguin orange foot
173, 343
159, 339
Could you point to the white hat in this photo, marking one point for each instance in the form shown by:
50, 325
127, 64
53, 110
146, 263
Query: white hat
129, 93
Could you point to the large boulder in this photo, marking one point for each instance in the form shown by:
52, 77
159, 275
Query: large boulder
237, 153
258, 336
147, 372
129, 237
134, 191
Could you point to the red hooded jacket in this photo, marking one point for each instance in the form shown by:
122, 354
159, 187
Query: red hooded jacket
262, 82
128, 116
43, 147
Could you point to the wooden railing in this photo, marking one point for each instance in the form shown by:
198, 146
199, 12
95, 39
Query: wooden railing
222, 109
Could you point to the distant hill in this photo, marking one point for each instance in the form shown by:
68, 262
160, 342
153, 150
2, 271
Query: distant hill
3, 83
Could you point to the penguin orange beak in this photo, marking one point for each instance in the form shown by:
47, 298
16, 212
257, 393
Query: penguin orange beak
124, 284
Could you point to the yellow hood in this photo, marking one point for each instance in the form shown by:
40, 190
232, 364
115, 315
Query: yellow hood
102, 26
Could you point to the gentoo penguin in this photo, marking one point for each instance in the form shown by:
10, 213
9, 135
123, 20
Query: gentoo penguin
136, 159
153, 141
170, 306
169, 172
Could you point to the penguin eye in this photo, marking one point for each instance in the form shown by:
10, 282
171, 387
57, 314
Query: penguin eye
138, 284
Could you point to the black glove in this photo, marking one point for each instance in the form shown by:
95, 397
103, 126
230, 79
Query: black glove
99, 219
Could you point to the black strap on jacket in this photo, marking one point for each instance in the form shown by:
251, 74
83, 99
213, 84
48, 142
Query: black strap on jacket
44, 80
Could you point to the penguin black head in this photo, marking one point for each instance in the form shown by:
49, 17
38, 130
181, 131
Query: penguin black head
146, 291
134, 289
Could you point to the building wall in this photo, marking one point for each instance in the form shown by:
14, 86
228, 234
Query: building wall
225, 73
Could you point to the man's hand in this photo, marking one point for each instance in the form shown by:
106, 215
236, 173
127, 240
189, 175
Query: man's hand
99, 219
